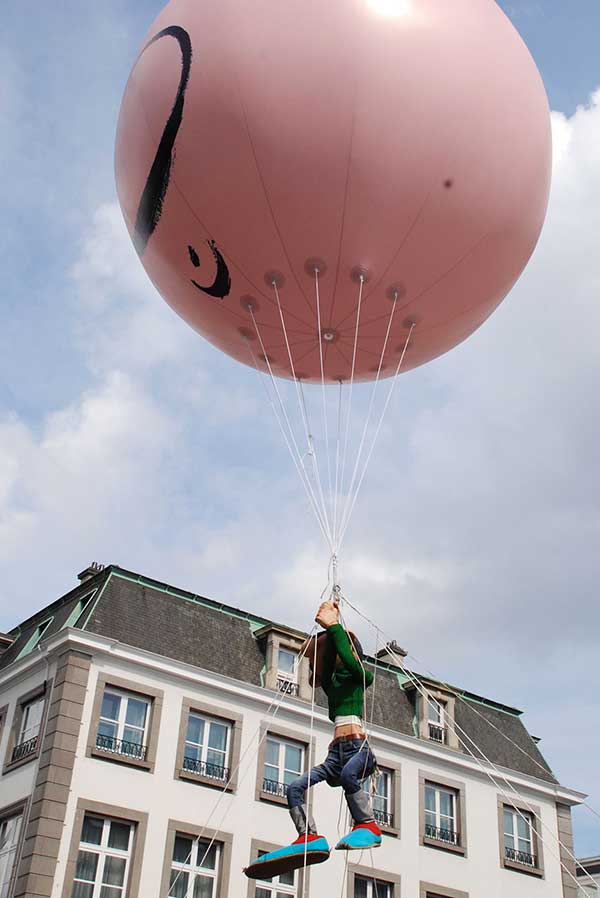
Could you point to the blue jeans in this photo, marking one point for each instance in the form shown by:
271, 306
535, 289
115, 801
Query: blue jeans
347, 765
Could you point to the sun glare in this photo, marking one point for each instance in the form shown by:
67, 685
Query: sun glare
390, 7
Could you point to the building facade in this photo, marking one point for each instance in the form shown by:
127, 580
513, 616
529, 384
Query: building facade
588, 874
147, 736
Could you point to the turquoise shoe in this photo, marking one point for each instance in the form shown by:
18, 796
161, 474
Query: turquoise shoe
292, 857
361, 837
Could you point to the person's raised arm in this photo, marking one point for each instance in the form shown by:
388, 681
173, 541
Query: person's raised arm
328, 617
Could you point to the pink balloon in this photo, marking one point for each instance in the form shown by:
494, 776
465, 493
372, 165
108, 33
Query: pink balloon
404, 142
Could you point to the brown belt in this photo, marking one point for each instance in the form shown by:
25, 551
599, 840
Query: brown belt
350, 737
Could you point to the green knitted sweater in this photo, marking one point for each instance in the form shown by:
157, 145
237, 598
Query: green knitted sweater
343, 685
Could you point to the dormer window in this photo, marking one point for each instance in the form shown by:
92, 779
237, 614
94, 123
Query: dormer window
283, 672
287, 671
435, 708
436, 719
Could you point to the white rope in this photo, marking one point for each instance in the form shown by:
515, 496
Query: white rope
424, 692
310, 442
337, 462
373, 444
290, 440
235, 770
368, 417
325, 424
310, 760
349, 411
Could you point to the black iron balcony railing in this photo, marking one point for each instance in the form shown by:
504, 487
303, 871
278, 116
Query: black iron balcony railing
441, 834
25, 749
383, 818
519, 857
121, 747
272, 787
203, 768
437, 733
287, 686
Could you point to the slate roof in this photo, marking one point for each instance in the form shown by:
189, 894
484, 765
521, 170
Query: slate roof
147, 614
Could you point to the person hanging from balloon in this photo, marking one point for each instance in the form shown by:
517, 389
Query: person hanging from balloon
336, 665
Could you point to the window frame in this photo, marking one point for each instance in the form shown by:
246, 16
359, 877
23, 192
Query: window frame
44, 690
133, 688
393, 879
258, 845
138, 839
81, 606
394, 799
448, 707
193, 830
273, 637
534, 811
429, 890
283, 677
235, 721
271, 729
442, 782
17, 808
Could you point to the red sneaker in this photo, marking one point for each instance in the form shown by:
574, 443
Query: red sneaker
307, 837
372, 827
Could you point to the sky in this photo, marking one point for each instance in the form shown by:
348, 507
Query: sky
126, 439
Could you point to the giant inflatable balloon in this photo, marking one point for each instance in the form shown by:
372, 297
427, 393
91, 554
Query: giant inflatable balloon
373, 151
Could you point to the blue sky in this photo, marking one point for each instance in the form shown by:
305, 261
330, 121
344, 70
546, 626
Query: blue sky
120, 430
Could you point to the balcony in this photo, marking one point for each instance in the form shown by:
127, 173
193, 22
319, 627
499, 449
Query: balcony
437, 733
288, 686
203, 768
519, 857
272, 787
25, 749
121, 747
383, 818
448, 836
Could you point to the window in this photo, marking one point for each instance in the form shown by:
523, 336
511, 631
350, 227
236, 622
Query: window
436, 714
278, 886
283, 763
436, 720
103, 858
209, 745
10, 831
35, 637
29, 730
365, 887
520, 848
287, 674
123, 724
518, 837
194, 868
206, 747
25, 739
367, 882
427, 890
440, 814
380, 790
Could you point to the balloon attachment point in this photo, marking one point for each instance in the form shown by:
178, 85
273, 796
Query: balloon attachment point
274, 279
249, 303
396, 292
360, 275
315, 266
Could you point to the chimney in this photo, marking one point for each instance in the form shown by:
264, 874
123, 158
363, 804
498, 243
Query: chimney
392, 654
5, 642
91, 571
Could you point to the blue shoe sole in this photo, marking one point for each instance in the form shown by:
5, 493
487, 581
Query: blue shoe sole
284, 860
